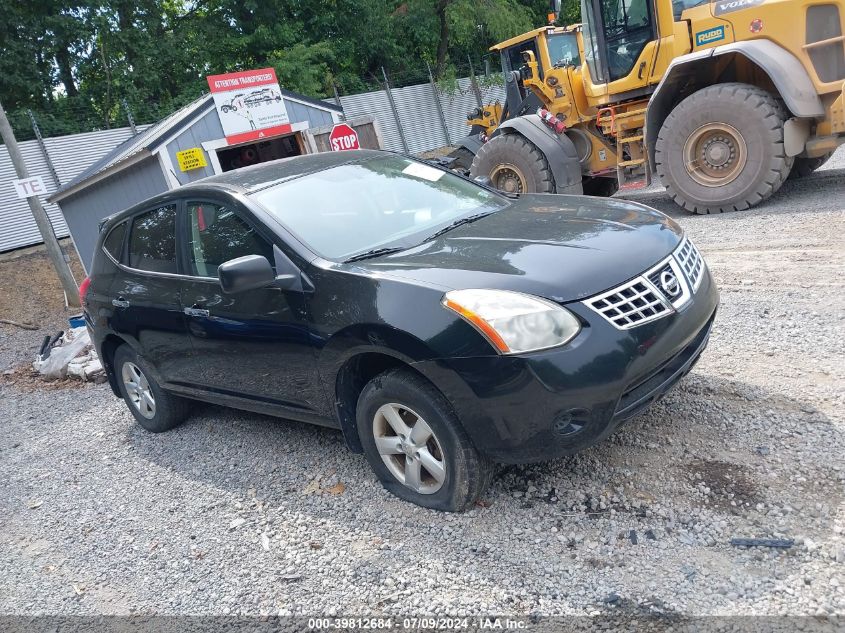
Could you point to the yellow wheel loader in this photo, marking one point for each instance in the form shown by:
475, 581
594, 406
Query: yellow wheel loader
722, 99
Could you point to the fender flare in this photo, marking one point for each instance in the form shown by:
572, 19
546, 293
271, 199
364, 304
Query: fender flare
357, 340
559, 151
782, 67
472, 143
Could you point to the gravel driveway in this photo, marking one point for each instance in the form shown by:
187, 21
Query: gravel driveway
240, 513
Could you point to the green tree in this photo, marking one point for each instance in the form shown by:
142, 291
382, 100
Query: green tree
73, 61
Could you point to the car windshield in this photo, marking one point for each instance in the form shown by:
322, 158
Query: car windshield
383, 202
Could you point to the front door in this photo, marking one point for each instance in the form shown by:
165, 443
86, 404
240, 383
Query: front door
145, 295
619, 43
255, 344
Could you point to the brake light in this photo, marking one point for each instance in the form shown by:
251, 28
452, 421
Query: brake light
83, 290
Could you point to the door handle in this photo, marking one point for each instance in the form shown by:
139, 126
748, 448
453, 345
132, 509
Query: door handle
642, 68
120, 302
197, 312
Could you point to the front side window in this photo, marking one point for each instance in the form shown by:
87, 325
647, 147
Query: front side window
388, 201
218, 234
152, 241
114, 241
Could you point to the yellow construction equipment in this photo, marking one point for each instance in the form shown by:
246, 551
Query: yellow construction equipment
722, 99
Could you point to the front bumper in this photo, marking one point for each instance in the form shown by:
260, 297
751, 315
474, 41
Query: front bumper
539, 406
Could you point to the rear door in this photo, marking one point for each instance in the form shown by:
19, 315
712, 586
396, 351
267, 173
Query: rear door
145, 294
256, 344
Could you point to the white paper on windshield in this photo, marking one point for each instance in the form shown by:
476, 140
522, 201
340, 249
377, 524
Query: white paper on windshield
423, 171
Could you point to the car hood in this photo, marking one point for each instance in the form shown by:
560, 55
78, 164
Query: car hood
563, 248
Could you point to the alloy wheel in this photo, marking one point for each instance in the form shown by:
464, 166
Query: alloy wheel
138, 390
409, 448
715, 154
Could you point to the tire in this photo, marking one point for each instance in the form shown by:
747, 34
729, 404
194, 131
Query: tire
514, 165
803, 167
742, 126
168, 411
465, 473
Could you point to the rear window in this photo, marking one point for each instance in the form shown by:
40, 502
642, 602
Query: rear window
152, 242
114, 241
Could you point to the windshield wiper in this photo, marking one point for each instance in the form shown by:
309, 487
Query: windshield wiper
376, 252
456, 224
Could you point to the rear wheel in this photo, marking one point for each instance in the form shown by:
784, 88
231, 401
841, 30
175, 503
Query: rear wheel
155, 409
416, 445
806, 166
721, 149
514, 165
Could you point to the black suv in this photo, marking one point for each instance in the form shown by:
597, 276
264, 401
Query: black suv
440, 325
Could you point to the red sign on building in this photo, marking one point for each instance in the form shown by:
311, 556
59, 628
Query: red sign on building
250, 105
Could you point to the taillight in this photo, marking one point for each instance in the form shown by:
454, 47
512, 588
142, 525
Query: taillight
83, 290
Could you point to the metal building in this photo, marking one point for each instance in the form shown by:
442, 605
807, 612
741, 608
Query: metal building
59, 160
147, 164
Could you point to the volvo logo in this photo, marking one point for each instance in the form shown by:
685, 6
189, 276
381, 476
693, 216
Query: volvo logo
670, 284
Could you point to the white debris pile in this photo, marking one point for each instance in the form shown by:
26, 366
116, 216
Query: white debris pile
72, 354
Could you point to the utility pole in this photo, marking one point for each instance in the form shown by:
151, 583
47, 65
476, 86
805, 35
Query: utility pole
41, 219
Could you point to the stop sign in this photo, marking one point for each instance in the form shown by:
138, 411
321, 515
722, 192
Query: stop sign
343, 137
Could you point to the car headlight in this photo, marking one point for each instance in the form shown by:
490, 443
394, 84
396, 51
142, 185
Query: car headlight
514, 322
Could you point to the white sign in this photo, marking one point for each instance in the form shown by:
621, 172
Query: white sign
250, 105
29, 187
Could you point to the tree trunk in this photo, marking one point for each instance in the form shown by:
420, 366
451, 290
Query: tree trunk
125, 20
65, 72
443, 41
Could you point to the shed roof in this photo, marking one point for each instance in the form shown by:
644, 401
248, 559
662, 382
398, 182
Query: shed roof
17, 226
143, 144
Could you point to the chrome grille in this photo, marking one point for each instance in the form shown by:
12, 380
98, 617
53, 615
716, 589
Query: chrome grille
689, 258
631, 304
659, 291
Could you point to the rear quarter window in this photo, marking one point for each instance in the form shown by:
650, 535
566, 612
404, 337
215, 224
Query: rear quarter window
152, 241
114, 242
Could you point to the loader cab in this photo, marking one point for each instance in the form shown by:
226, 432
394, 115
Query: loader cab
512, 56
617, 34
552, 47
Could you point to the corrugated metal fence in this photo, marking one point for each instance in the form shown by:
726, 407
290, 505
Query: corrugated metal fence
416, 108
70, 156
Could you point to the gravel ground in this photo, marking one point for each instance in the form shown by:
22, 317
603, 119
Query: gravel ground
235, 513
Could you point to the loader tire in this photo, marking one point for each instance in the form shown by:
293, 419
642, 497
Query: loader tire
514, 165
721, 149
803, 167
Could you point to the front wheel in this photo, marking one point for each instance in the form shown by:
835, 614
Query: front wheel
721, 149
514, 165
155, 409
416, 445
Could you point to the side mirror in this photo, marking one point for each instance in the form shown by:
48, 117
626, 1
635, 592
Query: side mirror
483, 181
245, 273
